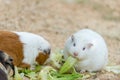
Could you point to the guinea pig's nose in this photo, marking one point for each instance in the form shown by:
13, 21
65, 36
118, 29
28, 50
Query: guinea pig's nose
47, 51
75, 54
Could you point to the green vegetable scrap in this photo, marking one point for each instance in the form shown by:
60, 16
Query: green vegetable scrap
58, 76
69, 63
26, 71
37, 68
49, 73
32, 76
45, 73
17, 75
56, 59
115, 69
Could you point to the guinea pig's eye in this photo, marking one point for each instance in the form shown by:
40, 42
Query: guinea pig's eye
74, 44
83, 48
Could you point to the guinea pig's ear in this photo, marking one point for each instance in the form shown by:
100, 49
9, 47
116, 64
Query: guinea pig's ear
89, 45
72, 38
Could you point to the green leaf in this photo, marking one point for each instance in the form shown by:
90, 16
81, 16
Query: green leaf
69, 63
17, 75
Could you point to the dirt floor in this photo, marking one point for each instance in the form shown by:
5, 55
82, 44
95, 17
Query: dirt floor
56, 20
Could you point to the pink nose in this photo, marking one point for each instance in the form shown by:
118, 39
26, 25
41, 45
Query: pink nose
75, 54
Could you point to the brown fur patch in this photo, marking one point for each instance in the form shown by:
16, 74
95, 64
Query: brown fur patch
10, 43
24, 65
41, 58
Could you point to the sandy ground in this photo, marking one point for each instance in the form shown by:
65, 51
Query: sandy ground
56, 20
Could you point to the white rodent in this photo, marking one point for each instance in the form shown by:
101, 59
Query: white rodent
89, 48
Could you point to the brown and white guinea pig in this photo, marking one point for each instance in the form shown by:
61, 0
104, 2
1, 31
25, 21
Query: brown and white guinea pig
89, 48
6, 66
25, 48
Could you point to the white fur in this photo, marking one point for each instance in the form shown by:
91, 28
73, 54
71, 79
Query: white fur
93, 59
33, 44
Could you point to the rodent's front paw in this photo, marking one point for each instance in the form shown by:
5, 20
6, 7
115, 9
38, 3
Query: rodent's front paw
83, 71
32, 67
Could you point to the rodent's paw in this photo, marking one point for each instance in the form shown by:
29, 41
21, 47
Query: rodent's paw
32, 67
83, 71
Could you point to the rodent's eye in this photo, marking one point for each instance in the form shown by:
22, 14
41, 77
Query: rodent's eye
83, 48
11, 59
74, 44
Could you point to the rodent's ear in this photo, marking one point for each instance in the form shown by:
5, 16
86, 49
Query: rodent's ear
89, 45
73, 38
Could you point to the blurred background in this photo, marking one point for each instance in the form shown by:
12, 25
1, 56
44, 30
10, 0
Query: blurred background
56, 20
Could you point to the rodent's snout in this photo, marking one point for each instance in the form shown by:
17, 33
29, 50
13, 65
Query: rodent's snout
47, 51
7, 61
75, 54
